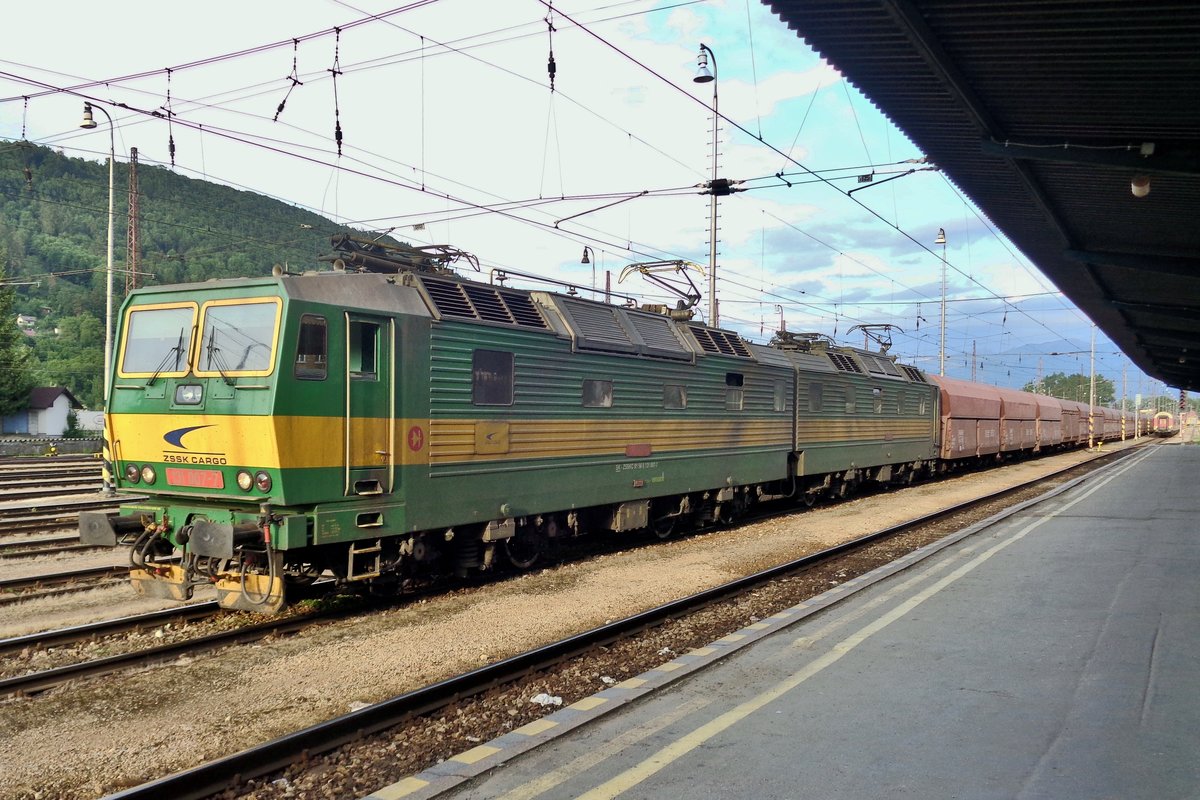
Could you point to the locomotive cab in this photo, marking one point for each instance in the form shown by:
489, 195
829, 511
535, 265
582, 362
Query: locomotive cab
193, 391
263, 420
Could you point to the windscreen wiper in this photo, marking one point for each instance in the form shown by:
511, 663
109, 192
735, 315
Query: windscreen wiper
215, 358
176, 351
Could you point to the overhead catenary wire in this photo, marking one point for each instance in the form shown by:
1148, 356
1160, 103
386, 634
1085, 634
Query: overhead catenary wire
373, 17
262, 48
741, 128
126, 106
447, 195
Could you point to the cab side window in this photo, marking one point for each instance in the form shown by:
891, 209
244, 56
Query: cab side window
312, 349
364, 337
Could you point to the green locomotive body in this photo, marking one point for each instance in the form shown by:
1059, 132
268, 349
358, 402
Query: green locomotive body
388, 427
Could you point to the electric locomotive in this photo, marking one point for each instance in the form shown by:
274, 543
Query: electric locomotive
389, 422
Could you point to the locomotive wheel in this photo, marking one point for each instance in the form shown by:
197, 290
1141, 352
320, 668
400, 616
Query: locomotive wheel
525, 549
663, 527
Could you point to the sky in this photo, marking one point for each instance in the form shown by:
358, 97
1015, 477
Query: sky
452, 134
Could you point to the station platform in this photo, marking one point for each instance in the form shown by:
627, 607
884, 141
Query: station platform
1052, 654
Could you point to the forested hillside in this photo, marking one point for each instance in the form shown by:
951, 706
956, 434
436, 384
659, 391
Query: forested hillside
53, 233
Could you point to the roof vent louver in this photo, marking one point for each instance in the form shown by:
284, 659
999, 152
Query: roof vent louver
915, 375
879, 365
615, 329
713, 340
484, 303
449, 299
658, 335
845, 363
598, 327
488, 304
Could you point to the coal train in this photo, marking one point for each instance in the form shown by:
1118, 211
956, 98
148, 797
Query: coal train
390, 422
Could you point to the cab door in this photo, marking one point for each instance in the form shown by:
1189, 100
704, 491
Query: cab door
370, 405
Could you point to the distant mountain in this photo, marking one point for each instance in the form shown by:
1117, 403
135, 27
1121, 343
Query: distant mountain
53, 237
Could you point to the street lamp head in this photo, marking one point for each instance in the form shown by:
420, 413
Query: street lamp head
585, 259
941, 237
88, 122
702, 72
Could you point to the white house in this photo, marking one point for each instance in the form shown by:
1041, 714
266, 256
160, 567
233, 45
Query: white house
46, 415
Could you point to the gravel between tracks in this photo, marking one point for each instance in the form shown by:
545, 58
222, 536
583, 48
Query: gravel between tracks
97, 737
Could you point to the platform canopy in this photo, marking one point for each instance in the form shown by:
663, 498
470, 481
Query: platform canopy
1048, 114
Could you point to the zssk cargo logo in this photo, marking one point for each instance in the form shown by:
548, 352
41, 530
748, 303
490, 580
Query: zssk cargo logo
175, 439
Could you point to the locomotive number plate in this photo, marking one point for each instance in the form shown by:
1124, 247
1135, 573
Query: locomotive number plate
201, 478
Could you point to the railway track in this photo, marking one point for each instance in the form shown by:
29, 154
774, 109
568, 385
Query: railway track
57, 579
30, 547
17, 463
303, 746
42, 680
95, 630
52, 515
49, 479
35, 587
14, 475
30, 490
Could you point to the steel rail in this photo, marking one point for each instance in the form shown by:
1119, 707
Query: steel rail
28, 542
40, 681
19, 462
59, 578
216, 776
57, 490
32, 516
7, 550
16, 476
15, 510
107, 627
39, 524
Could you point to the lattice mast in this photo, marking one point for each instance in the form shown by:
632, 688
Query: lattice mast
131, 239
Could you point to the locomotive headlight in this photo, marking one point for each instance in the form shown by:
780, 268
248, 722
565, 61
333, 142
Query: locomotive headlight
132, 473
263, 481
149, 476
188, 394
244, 480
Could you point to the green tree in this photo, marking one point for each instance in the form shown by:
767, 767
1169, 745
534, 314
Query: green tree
70, 352
53, 235
1074, 387
15, 378
73, 430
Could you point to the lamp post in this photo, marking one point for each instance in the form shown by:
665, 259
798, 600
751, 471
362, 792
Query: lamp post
89, 123
585, 260
704, 76
941, 239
